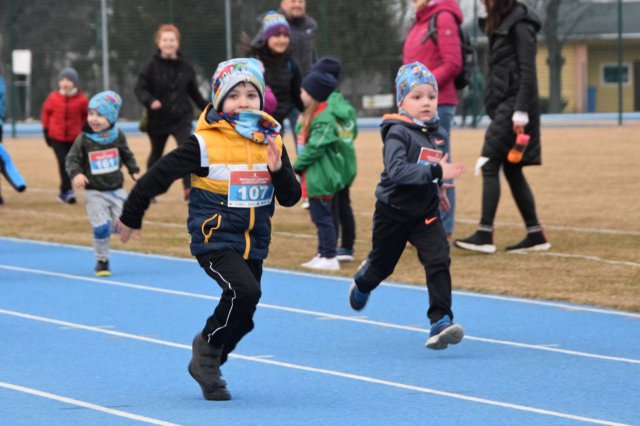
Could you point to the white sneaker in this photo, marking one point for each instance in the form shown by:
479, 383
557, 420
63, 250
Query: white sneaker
323, 263
305, 203
312, 262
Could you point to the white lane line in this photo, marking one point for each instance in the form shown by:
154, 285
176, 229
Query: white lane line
581, 257
318, 314
84, 404
560, 228
260, 359
466, 293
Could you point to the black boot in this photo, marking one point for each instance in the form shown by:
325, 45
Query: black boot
205, 369
534, 241
481, 241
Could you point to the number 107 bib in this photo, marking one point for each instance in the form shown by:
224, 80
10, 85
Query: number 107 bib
250, 188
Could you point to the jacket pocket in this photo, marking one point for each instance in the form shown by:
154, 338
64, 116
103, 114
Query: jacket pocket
210, 225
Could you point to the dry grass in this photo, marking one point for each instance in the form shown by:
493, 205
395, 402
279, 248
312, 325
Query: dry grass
589, 184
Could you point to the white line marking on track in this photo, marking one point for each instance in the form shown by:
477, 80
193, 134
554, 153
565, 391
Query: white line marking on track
465, 293
582, 257
322, 315
328, 372
84, 404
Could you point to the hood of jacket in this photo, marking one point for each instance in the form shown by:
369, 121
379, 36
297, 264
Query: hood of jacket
425, 13
520, 12
389, 120
340, 107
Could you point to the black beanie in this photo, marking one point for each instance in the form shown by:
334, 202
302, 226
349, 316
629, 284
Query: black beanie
329, 64
319, 85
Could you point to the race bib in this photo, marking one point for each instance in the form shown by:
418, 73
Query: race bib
428, 156
106, 161
250, 188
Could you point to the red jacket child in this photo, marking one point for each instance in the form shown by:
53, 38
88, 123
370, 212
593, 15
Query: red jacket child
64, 115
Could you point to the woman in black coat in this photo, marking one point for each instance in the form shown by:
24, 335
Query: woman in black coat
511, 101
166, 85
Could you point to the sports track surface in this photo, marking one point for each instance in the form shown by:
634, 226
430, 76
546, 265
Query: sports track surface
81, 350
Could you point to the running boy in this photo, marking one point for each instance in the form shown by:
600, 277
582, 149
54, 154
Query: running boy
237, 163
407, 202
93, 163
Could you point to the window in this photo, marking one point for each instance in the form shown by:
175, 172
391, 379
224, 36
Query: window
611, 74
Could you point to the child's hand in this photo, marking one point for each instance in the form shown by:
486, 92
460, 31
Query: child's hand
274, 159
80, 180
125, 232
135, 176
445, 204
155, 105
450, 170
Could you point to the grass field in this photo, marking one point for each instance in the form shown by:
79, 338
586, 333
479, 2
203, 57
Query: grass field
587, 194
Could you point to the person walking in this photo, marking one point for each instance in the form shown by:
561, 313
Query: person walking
511, 101
434, 41
166, 86
64, 112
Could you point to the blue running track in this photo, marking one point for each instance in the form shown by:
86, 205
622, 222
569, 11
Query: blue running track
81, 350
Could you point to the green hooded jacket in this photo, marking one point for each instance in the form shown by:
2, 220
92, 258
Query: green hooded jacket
328, 158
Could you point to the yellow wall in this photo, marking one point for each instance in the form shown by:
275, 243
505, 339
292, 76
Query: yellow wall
597, 54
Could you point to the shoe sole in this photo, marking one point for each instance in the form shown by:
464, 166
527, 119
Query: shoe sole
221, 394
103, 274
484, 248
537, 247
451, 335
344, 258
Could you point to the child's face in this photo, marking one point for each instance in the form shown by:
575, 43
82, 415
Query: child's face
278, 43
421, 102
305, 97
65, 85
243, 97
97, 122
168, 43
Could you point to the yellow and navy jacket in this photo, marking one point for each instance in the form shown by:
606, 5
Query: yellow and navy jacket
209, 156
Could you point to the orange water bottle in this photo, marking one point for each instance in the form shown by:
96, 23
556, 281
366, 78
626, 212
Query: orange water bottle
516, 153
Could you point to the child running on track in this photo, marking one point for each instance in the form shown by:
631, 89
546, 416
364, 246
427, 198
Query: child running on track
237, 163
408, 197
94, 163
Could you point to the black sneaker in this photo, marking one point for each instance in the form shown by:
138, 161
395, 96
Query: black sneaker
534, 241
481, 241
205, 369
102, 268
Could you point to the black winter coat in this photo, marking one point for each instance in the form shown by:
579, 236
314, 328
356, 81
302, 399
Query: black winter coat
172, 82
512, 85
282, 75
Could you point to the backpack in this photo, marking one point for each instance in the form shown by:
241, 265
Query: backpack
469, 55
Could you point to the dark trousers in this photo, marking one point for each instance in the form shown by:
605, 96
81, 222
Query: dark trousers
239, 280
320, 210
343, 219
159, 141
390, 235
61, 149
520, 190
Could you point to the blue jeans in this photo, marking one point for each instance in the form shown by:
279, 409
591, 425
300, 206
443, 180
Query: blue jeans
446, 114
320, 209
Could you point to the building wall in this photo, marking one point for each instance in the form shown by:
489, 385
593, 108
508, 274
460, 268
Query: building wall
607, 94
582, 71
